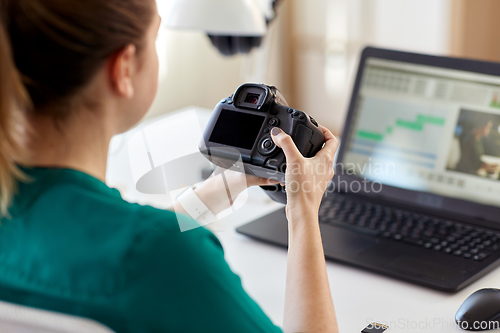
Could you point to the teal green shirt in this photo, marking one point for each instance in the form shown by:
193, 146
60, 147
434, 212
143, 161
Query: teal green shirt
73, 245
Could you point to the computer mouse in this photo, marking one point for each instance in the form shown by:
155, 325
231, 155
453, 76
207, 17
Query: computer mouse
480, 311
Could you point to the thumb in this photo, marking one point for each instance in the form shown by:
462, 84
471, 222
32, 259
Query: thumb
285, 142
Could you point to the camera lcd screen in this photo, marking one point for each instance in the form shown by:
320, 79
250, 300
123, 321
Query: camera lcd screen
237, 129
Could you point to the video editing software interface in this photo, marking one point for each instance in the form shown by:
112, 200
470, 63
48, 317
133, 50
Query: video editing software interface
428, 129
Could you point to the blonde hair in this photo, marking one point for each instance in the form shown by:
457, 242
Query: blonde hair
13, 99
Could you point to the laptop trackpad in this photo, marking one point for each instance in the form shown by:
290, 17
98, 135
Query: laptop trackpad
338, 241
421, 268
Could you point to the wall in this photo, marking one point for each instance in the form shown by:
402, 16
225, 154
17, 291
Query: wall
421, 25
312, 47
475, 28
328, 35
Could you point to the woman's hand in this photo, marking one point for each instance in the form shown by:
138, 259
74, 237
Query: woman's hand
220, 190
306, 179
308, 301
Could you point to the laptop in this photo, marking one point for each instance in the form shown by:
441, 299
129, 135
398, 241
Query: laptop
416, 195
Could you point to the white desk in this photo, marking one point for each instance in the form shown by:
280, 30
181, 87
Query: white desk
359, 296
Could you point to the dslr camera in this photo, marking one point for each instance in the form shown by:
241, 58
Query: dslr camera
240, 130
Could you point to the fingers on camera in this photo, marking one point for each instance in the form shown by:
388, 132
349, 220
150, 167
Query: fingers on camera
331, 145
285, 142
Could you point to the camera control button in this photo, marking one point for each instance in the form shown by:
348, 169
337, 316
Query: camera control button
273, 122
290, 110
301, 116
266, 130
267, 146
313, 121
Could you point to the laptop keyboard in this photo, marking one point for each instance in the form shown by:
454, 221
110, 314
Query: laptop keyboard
399, 225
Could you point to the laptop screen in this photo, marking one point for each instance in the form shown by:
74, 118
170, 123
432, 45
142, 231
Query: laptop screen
428, 129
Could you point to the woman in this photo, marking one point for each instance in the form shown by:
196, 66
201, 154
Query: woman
74, 73
472, 145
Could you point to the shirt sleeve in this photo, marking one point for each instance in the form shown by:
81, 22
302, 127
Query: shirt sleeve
180, 282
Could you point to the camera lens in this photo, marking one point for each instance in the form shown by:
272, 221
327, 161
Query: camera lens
252, 98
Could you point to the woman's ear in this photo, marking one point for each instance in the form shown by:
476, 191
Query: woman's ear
123, 66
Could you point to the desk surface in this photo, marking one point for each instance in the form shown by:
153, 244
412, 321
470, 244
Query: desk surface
359, 296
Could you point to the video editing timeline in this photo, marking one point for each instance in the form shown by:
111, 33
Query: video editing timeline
401, 142
400, 131
405, 123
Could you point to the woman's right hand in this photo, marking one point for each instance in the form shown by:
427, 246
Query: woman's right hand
306, 179
308, 301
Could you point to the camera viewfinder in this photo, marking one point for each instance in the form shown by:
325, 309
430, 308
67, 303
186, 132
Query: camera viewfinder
252, 98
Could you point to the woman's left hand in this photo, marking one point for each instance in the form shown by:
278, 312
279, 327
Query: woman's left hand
219, 192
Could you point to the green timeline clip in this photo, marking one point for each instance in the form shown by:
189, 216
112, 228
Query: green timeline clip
417, 125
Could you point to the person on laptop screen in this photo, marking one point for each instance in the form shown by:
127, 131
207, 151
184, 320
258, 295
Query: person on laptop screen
473, 133
73, 74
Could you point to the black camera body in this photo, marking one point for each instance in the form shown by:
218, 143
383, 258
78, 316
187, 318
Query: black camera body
241, 125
